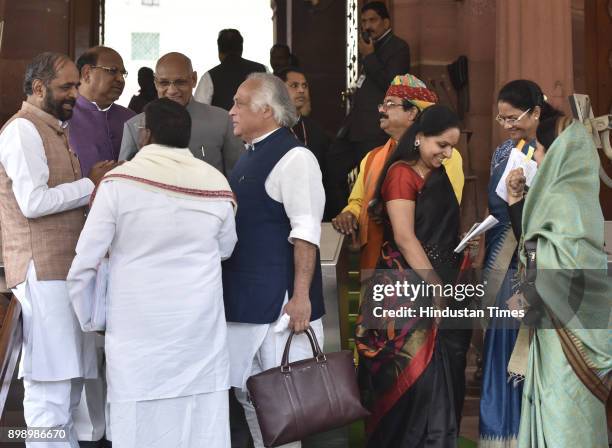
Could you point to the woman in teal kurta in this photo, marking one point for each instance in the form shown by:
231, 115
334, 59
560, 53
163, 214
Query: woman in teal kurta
562, 212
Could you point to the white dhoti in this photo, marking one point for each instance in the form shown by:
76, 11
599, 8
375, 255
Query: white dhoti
91, 417
255, 348
193, 421
55, 357
49, 405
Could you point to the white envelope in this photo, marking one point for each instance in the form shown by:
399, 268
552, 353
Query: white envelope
516, 160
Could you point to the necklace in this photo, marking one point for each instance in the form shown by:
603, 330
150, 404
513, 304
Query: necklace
419, 172
303, 132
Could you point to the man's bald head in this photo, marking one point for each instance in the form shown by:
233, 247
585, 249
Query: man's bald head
175, 78
102, 75
174, 59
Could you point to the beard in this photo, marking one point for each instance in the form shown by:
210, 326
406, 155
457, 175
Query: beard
56, 108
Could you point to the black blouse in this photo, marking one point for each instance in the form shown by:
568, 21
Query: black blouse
516, 218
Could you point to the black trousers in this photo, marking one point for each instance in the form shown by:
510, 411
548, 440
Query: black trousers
239, 429
342, 157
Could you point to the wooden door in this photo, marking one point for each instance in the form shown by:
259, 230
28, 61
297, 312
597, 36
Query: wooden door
30, 27
318, 39
316, 32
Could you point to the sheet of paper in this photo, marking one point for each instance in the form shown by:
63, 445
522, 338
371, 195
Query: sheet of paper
477, 229
98, 318
282, 324
517, 160
91, 309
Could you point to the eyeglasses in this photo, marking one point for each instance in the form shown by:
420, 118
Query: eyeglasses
389, 105
112, 70
177, 83
510, 121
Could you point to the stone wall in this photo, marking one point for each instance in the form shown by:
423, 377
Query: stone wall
503, 40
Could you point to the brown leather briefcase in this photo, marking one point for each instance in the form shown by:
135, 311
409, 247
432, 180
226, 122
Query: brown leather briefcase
306, 397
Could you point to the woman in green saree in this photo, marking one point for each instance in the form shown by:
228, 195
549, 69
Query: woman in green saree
567, 378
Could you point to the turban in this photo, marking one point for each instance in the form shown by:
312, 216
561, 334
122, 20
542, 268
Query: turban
411, 88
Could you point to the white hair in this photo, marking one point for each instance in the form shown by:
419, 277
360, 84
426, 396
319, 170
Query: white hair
272, 92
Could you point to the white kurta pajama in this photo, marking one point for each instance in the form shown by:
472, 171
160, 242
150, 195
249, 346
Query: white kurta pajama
295, 181
55, 355
166, 357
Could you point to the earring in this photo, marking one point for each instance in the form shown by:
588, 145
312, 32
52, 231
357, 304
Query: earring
417, 143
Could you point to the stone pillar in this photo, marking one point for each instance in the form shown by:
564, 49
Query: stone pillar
477, 30
534, 41
439, 31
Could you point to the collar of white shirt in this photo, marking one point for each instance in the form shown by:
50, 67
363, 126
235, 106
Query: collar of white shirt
251, 146
101, 110
384, 35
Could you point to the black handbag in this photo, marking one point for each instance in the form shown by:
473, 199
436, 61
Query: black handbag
306, 397
534, 309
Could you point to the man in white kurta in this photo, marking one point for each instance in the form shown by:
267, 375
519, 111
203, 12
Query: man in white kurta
166, 219
42, 212
284, 214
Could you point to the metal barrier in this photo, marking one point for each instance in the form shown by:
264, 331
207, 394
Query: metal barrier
335, 286
334, 267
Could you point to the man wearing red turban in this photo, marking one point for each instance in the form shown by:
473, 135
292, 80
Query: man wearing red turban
406, 97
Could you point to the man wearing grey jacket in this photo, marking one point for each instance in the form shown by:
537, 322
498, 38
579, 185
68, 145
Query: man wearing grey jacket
212, 137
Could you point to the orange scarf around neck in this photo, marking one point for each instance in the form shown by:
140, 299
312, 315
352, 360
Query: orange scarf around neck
370, 232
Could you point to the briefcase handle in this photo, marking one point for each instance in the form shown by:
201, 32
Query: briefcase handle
314, 344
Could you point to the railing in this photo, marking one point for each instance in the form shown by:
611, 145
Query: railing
10, 347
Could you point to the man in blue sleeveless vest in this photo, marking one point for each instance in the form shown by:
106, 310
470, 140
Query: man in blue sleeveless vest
272, 283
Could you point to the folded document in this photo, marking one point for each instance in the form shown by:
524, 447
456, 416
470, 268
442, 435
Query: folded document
517, 160
91, 311
477, 229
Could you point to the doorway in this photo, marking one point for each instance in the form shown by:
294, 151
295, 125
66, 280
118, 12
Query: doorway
143, 30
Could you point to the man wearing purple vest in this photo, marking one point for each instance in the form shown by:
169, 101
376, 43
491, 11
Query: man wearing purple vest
42, 211
96, 127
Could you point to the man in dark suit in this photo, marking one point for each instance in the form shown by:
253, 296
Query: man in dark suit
212, 134
281, 58
383, 56
218, 85
306, 129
